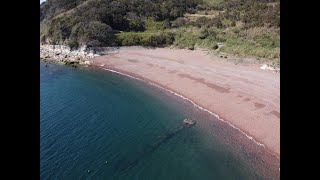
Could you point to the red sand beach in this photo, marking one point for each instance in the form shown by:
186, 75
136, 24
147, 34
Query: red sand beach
243, 95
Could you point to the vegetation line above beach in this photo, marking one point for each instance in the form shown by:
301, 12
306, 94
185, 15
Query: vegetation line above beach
241, 27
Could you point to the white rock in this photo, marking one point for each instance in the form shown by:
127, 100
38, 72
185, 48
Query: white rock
264, 67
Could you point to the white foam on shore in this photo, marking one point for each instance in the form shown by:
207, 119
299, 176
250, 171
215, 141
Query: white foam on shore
194, 104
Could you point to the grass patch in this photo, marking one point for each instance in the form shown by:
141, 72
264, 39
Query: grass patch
260, 42
146, 38
152, 25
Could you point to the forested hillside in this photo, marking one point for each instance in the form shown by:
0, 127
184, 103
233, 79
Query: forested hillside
247, 27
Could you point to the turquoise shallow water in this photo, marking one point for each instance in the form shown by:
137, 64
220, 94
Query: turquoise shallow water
120, 128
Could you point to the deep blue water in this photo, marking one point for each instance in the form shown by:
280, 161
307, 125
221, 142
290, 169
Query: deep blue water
120, 128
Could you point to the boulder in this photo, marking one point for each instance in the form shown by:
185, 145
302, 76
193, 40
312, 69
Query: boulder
264, 67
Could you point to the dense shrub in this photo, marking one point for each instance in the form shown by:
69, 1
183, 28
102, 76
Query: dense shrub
248, 27
167, 23
146, 39
203, 33
93, 33
179, 22
253, 13
216, 22
73, 43
136, 23
67, 19
131, 40
203, 21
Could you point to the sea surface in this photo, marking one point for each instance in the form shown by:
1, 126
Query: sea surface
96, 124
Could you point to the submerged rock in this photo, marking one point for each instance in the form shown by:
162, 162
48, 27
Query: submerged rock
188, 121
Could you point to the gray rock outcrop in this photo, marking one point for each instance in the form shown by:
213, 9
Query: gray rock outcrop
80, 55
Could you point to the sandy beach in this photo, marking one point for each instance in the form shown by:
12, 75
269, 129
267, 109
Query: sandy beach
243, 95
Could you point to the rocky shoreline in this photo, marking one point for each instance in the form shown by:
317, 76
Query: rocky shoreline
68, 55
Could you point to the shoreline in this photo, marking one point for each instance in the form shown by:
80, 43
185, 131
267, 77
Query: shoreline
241, 148
164, 58
131, 66
217, 116
267, 162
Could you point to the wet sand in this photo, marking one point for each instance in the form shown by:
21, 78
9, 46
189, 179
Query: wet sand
243, 95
